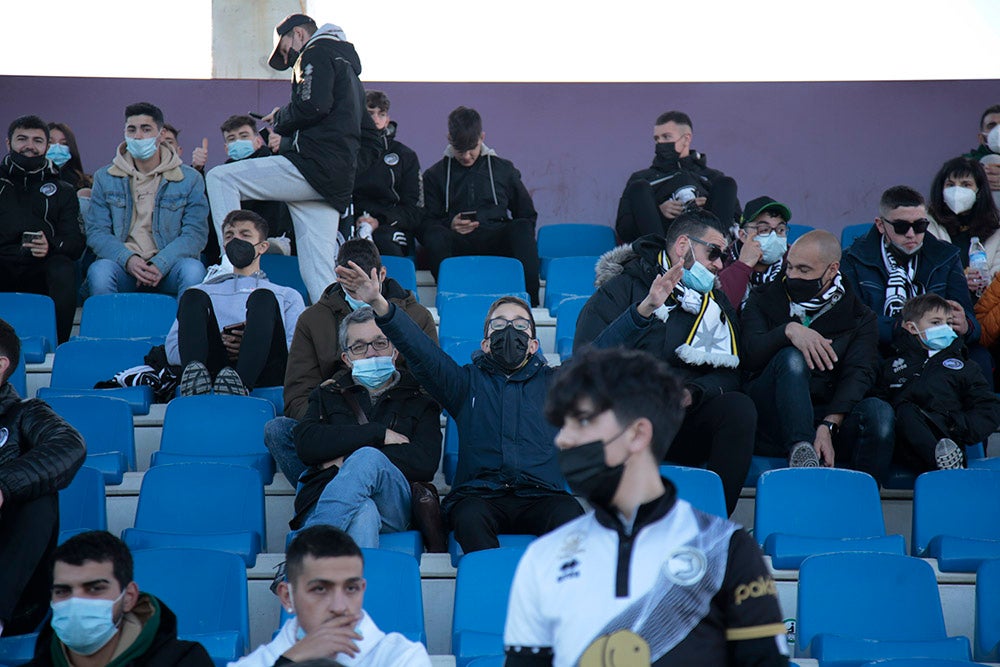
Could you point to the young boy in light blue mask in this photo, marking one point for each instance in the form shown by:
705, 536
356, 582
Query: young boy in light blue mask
756, 256
941, 400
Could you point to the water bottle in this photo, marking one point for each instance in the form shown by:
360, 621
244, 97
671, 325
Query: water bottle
977, 261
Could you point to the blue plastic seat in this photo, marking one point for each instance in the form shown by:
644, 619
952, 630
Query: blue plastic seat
462, 350
217, 428
987, 644
82, 504
510, 541
488, 661
33, 317
702, 488
479, 274
80, 364
851, 233
921, 662
569, 239
956, 518
462, 318
207, 590
569, 313
105, 423
409, 542
865, 606
202, 506
393, 596
569, 277
276, 396
795, 231
803, 511
449, 462
482, 589
19, 378
17, 649
403, 271
284, 270
985, 464
136, 315
761, 464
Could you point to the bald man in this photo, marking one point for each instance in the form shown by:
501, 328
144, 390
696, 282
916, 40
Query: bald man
810, 349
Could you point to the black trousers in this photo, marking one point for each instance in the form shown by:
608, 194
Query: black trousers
647, 218
382, 237
917, 433
719, 432
28, 535
511, 239
53, 276
263, 352
477, 520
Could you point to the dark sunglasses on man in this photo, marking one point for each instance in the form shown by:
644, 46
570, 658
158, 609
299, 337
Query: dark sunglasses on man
714, 251
901, 227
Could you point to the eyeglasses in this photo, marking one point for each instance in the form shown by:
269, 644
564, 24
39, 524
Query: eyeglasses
901, 227
379, 345
765, 229
500, 323
714, 251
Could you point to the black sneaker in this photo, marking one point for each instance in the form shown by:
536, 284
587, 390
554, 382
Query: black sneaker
228, 382
803, 455
195, 379
947, 454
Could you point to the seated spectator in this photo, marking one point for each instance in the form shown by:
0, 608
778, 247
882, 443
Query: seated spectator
476, 204
40, 235
677, 181
961, 207
236, 327
810, 352
387, 194
39, 454
614, 594
988, 150
316, 354
942, 403
370, 430
100, 617
659, 295
65, 155
148, 216
199, 156
757, 256
896, 261
508, 478
325, 589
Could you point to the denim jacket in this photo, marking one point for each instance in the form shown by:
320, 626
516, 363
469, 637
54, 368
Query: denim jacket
180, 217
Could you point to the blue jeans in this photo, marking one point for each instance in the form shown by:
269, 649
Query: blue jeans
107, 277
368, 496
279, 440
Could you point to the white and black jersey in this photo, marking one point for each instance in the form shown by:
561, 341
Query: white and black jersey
680, 588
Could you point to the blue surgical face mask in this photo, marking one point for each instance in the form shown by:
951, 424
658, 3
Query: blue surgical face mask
938, 337
239, 149
141, 149
373, 372
352, 302
58, 153
773, 247
84, 625
699, 278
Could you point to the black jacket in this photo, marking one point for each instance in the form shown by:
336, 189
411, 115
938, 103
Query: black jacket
851, 325
389, 190
947, 387
39, 452
491, 187
623, 279
326, 130
156, 646
37, 201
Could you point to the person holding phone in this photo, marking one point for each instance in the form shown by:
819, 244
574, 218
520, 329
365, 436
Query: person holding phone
40, 236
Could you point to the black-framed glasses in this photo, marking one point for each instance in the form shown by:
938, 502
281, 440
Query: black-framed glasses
763, 229
500, 323
359, 348
714, 251
901, 227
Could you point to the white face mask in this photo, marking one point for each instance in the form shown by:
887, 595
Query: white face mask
993, 139
959, 199
772, 246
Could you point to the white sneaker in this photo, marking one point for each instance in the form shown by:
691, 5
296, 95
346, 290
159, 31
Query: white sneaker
803, 455
365, 231
947, 454
280, 245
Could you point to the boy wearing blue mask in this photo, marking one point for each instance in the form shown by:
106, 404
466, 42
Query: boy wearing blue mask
942, 401
756, 256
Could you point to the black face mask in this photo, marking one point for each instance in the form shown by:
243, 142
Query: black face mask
588, 475
292, 56
666, 154
241, 253
28, 162
800, 290
509, 348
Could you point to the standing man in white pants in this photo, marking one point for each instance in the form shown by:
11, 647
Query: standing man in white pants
317, 136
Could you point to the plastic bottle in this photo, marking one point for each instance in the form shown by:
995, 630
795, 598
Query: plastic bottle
977, 260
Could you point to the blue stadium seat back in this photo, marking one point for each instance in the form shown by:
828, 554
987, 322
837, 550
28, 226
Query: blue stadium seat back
206, 590
80, 364
33, 317
139, 315
202, 506
569, 277
985, 464
885, 606
761, 464
284, 270
19, 378
462, 350
900, 478
409, 542
511, 541
482, 589
276, 396
702, 488
403, 271
17, 649
105, 422
803, 511
975, 451
851, 233
987, 633
569, 313
570, 239
193, 431
921, 662
795, 231
82, 504
943, 526
479, 274
488, 661
393, 596
462, 317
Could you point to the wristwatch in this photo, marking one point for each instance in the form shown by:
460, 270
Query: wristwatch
830, 425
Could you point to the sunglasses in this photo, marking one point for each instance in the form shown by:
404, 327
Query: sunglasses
901, 227
714, 251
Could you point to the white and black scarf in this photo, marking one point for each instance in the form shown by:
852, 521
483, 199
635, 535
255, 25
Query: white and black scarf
900, 287
807, 311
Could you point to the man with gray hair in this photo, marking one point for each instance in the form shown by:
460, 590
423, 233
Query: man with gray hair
369, 431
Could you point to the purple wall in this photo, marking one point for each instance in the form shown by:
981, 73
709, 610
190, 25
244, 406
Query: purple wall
827, 149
